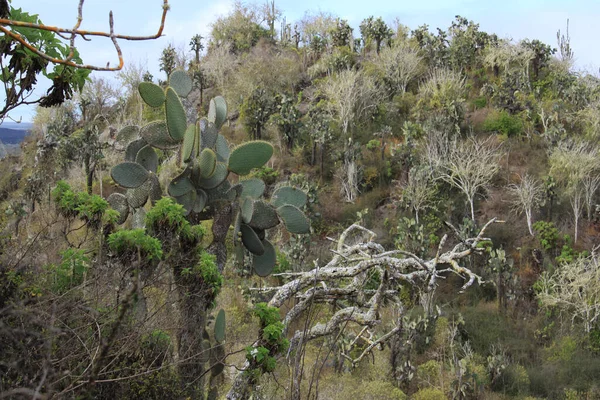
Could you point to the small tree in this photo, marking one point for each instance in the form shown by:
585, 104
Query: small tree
526, 196
468, 166
400, 64
377, 30
168, 60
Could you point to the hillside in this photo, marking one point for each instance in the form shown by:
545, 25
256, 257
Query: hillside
311, 213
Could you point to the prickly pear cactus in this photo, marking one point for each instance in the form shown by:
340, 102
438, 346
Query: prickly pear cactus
203, 187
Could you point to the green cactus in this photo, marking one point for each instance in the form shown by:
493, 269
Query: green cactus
188, 146
207, 162
152, 94
187, 200
133, 148
289, 195
217, 111
180, 185
222, 149
129, 174
201, 200
218, 176
220, 326
249, 155
253, 188
205, 355
181, 82
264, 264
251, 241
127, 134
264, 216
139, 196
147, 158
155, 192
119, 203
209, 134
247, 209
175, 116
294, 219
156, 135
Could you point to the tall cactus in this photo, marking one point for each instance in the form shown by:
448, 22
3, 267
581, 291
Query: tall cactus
204, 189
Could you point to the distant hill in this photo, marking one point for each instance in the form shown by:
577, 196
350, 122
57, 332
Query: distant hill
13, 133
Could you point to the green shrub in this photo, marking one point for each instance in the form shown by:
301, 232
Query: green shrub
504, 123
167, 218
429, 394
70, 272
127, 243
547, 234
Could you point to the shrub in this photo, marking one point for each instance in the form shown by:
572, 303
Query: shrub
429, 394
503, 123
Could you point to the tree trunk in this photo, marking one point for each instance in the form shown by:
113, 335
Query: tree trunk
471, 203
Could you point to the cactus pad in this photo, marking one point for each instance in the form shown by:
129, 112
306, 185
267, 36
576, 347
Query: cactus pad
187, 200
252, 187
207, 162
201, 200
218, 193
264, 216
222, 149
119, 203
247, 209
187, 148
180, 185
147, 158
251, 240
217, 177
175, 115
133, 148
129, 174
127, 134
155, 192
157, 135
289, 195
249, 155
152, 94
294, 220
264, 265
209, 134
204, 356
217, 111
234, 193
181, 82
220, 326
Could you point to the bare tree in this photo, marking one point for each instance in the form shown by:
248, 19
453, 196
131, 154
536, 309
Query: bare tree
526, 196
352, 95
420, 190
218, 63
467, 165
356, 257
400, 64
574, 288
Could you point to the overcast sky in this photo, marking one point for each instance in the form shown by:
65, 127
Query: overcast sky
516, 19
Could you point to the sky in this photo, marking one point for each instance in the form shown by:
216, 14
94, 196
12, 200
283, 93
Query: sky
514, 19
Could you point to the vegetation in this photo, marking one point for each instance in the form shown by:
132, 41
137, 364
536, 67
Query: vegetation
303, 213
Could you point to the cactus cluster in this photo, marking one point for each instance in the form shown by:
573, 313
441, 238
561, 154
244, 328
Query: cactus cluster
206, 162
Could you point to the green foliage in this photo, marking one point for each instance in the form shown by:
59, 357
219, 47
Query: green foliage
266, 174
375, 29
70, 272
266, 315
547, 234
503, 123
256, 110
240, 28
128, 243
168, 217
91, 208
429, 394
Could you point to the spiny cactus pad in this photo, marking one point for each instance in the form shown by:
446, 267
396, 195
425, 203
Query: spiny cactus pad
118, 202
251, 240
204, 356
133, 148
264, 216
187, 200
129, 174
218, 193
155, 193
209, 134
139, 196
187, 148
208, 163
147, 158
222, 148
247, 209
220, 326
127, 134
152, 94
201, 200
181, 82
234, 193
264, 265
252, 187
219, 175
294, 220
157, 135
217, 111
175, 114
180, 185
289, 195
250, 155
